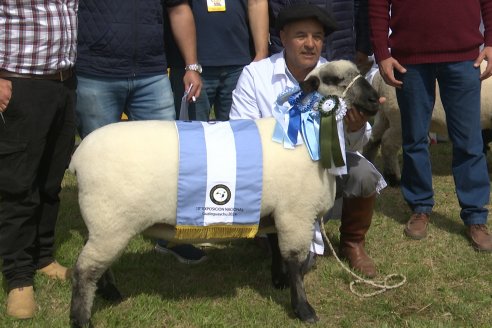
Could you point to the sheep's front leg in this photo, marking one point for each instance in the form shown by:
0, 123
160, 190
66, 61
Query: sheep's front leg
302, 309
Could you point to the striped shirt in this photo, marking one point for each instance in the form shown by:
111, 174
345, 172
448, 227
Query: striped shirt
38, 36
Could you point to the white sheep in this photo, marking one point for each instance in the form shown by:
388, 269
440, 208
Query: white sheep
386, 131
127, 180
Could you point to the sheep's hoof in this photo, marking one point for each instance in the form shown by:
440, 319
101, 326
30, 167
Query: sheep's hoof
306, 313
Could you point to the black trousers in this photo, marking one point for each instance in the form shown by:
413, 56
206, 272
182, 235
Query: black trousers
36, 143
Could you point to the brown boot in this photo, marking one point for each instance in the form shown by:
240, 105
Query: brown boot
20, 303
55, 270
356, 220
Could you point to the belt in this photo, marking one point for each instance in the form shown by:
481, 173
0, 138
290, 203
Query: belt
58, 76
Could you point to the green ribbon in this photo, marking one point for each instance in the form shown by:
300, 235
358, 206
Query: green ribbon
329, 144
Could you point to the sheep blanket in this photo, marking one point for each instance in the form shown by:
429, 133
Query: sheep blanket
220, 179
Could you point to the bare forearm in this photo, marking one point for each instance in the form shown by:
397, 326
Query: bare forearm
258, 21
183, 26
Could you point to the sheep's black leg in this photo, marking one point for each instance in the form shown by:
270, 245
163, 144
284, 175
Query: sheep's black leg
83, 289
280, 276
92, 263
302, 309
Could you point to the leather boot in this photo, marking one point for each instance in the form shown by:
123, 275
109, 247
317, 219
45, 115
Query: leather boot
356, 220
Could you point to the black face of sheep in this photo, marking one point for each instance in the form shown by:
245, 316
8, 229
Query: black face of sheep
342, 78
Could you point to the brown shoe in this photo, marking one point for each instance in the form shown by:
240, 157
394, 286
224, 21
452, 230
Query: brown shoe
416, 227
480, 237
55, 270
20, 303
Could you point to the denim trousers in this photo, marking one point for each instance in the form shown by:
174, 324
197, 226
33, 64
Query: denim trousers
218, 84
101, 101
36, 143
459, 87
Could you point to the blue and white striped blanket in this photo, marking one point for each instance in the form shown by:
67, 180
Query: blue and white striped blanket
220, 179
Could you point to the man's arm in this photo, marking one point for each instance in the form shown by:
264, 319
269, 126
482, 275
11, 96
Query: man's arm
244, 104
258, 22
184, 32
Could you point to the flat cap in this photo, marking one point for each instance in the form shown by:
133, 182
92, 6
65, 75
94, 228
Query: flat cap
298, 12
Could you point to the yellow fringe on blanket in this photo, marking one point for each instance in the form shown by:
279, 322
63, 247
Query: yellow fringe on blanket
216, 232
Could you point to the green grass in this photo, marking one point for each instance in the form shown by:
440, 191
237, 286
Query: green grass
449, 284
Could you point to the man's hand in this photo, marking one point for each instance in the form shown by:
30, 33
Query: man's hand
5, 94
485, 54
354, 120
387, 67
192, 77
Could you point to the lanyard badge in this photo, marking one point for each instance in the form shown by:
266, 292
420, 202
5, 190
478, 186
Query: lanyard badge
216, 5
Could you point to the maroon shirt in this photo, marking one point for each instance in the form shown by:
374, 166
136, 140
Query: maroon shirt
429, 31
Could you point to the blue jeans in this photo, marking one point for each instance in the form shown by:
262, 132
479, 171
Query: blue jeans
218, 84
101, 101
459, 86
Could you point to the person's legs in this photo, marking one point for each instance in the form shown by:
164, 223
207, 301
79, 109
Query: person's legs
100, 101
177, 86
210, 82
459, 85
25, 176
150, 98
416, 101
223, 102
59, 145
359, 189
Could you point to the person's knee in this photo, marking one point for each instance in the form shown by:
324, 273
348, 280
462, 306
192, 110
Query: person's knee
361, 181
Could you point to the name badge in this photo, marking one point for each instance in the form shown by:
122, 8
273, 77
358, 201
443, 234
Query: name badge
216, 5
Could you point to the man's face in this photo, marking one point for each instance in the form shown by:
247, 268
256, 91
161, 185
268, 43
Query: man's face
303, 41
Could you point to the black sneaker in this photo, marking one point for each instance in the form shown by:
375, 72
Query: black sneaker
184, 253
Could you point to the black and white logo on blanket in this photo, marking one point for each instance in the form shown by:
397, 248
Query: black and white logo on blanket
220, 194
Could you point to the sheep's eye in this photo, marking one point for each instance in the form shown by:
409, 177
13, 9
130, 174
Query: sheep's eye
331, 80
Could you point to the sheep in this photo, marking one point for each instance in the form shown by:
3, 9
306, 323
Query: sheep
127, 180
386, 132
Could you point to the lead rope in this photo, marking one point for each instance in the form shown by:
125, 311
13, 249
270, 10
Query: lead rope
382, 285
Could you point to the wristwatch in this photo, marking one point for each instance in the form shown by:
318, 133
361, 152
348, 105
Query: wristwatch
194, 67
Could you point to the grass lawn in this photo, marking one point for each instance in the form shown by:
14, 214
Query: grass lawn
448, 283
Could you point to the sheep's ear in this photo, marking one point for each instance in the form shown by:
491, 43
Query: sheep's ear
309, 85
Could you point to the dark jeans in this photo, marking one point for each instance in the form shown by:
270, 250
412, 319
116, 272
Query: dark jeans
36, 143
459, 86
218, 84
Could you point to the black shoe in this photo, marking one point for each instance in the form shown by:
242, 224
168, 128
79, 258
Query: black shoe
184, 253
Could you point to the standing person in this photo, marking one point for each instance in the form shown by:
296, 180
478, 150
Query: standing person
302, 29
426, 48
230, 34
121, 60
121, 67
351, 39
37, 133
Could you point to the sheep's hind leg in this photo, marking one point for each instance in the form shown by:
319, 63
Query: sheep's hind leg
302, 309
280, 276
92, 263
